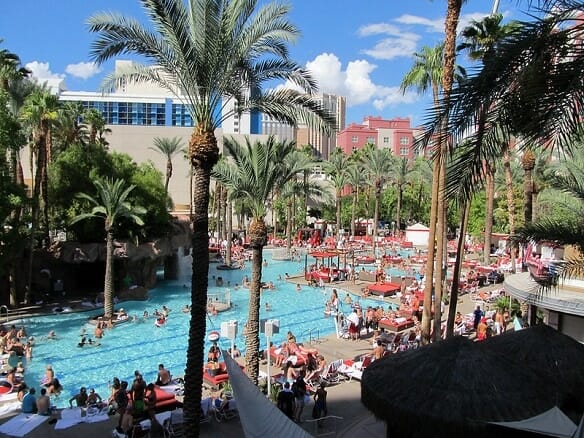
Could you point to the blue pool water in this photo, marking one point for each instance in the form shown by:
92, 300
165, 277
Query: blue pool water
139, 345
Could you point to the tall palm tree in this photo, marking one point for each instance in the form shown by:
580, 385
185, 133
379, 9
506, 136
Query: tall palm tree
39, 111
427, 73
480, 40
567, 228
399, 175
111, 204
10, 68
336, 169
355, 179
211, 50
95, 122
377, 164
168, 147
69, 130
253, 173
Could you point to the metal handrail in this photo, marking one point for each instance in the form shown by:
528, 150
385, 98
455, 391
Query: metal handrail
310, 332
319, 430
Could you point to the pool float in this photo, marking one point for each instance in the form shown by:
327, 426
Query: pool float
60, 309
5, 387
160, 322
214, 336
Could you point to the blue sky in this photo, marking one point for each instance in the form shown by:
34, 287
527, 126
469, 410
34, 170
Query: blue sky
357, 48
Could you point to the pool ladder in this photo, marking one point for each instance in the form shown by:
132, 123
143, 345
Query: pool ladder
311, 335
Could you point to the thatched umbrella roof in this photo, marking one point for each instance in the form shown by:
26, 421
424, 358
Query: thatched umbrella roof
543, 348
451, 388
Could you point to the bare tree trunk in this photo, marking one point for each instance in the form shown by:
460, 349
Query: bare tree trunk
441, 252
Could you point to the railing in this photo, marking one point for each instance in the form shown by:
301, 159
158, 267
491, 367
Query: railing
325, 426
310, 333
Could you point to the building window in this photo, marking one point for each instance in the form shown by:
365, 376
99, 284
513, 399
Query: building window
386, 140
404, 140
370, 140
355, 139
404, 152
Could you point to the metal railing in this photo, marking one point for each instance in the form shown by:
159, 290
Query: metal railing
310, 334
325, 426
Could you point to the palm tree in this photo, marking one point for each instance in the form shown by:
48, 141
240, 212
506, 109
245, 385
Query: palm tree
168, 147
94, 120
211, 50
69, 129
399, 174
355, 179
378, 163
566, 228
111, 205
10, 69
427, 72
480, 41
38, 113
256, 169
336, 169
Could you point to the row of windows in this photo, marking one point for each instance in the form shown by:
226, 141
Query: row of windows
129, 113
371, 140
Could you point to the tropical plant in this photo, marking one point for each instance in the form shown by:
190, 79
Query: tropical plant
378, 163
211, 51
564, 229
480, 41
111, 205
252, 173
336, 168
168, 147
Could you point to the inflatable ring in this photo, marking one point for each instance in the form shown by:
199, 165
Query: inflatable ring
214, 336
5, 387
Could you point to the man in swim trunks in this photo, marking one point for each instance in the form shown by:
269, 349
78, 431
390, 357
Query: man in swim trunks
163, 376
137, 393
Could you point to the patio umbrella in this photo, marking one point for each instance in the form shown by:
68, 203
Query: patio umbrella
451, 388
543, 348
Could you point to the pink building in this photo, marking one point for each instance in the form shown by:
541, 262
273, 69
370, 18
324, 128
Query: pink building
396, 135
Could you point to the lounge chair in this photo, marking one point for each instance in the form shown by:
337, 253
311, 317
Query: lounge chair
331, 374
354, 370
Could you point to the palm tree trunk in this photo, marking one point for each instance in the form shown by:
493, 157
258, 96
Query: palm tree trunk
289, 225
168, 175
199, 284
258, 237
338, 213
490, 189
510, 203
398, 208
429, 276
441, 252
457, 268
376, 213
108, 284
353, 211
229, 227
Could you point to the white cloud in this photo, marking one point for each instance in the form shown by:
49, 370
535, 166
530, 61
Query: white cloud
354, 82
397, 44
436, 25
83, 70
41, 71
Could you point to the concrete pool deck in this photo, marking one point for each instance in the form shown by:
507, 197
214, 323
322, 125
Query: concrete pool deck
344, 399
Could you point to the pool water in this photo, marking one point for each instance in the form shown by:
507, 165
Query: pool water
140, 345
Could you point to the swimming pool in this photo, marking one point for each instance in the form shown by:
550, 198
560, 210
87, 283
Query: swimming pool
140, 345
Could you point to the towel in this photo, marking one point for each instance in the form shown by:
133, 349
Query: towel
22, 424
